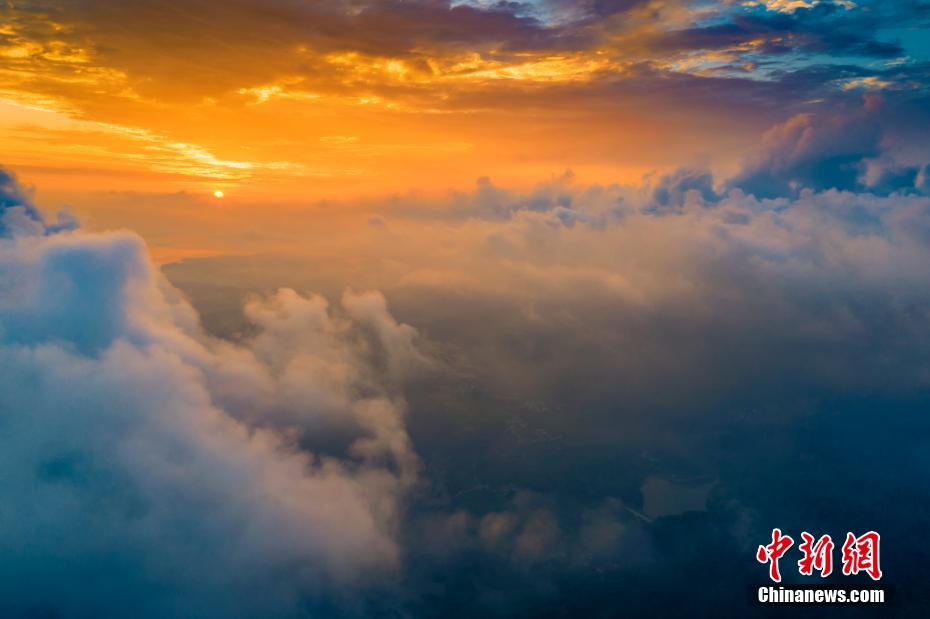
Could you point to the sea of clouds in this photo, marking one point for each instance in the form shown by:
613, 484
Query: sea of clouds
150, 468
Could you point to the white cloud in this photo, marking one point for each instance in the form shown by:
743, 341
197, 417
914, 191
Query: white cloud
149, 469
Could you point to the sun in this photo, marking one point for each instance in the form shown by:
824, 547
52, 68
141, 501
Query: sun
217, 194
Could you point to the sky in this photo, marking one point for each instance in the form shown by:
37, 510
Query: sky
360, 308
310, 100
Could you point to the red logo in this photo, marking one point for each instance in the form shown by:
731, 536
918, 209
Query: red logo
817, 556
860, 554
773, 552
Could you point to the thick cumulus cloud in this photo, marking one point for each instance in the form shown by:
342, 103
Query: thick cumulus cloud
837, 148
826, 151
151, 470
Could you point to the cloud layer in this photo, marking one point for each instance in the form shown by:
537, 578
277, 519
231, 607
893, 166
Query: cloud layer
606, 385
158, 471
635, 379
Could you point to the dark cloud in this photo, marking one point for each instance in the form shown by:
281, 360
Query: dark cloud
822, 28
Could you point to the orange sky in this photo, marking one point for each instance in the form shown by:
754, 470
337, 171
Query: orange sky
128, 99
288, 103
